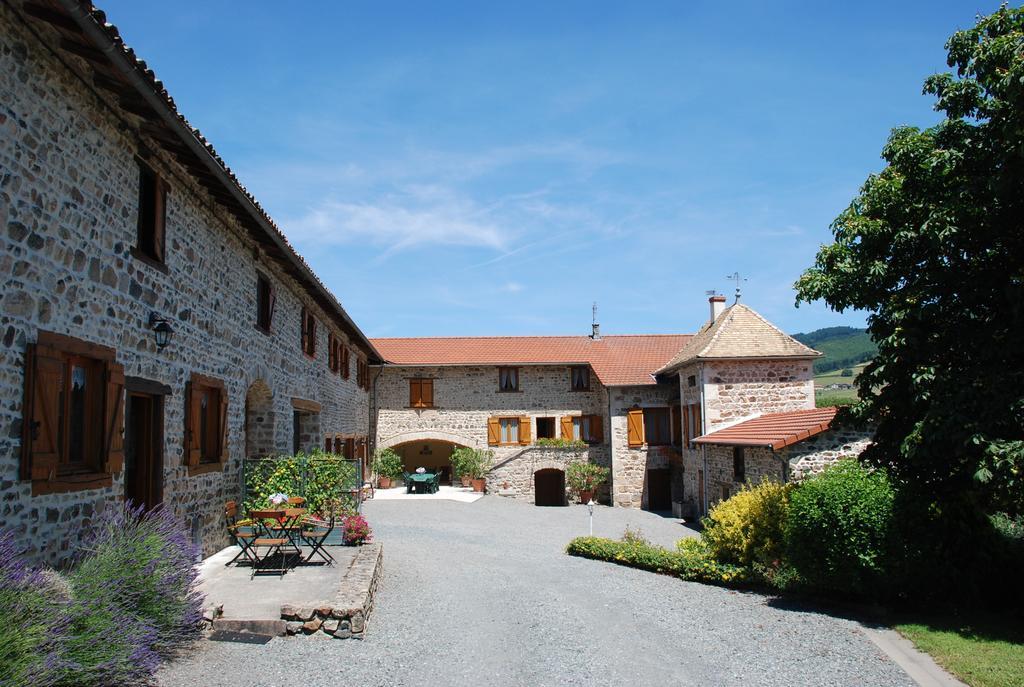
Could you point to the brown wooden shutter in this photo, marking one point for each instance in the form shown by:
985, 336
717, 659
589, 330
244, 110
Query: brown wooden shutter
223, 452
635, 427
596, 429
40, 450
159, 219
193, 407
415, 393
696, 421
524, 430
428, 392
327, 444
686, 427
350, 448
567, 427
271, 304
493, 431
305, 330
113, 419
344, 361
677, 425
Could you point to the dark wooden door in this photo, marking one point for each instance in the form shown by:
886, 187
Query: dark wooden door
549, 487
143, 465
659, 489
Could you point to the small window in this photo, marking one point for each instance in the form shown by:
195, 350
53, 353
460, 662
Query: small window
150, 240
308, 333
509, 430
726, 492
545, 428
508, 379
264, 303
421, 393
362, 374
580, 378
691, 380
739, 464
657, 427
588, 428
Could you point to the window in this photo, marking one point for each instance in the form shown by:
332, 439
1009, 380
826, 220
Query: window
691, 380
308, 333
677, 426
726, 492
657, 427
739, 464
206, 414
362, 374
588, 428
508, 379
265, 302
150, 239
333, 353
580, 377
508, 430
421, 393
545, 428
74, 415
343, 360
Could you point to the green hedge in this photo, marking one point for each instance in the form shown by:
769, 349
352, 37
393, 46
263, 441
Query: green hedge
327, 481
692, 561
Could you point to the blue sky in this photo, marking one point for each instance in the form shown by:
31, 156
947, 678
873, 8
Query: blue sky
494, 168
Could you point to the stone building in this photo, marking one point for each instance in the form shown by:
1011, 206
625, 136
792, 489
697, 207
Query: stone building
156, 326
651, 408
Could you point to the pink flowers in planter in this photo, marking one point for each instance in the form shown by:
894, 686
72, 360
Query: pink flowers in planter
355, 530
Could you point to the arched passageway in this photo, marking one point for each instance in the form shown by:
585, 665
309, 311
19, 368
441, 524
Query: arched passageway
549, 487
430, 454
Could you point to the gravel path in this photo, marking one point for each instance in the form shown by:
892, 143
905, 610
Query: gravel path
482, 594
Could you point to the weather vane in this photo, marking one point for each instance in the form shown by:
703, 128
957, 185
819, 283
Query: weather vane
735, 276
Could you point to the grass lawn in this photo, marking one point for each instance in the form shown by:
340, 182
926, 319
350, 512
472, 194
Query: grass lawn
983, 651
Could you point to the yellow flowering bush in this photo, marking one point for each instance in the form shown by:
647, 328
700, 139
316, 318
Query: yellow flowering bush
748, 529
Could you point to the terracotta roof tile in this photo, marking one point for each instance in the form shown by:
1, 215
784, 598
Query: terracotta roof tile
739, 332
616, 360
774, 430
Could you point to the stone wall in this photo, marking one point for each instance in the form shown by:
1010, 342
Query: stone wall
813, 455
68, 207
630, 465
514, 475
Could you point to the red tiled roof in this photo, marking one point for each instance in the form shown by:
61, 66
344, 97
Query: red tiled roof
616, 360
774, 430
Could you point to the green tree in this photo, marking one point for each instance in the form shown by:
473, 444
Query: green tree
933, 246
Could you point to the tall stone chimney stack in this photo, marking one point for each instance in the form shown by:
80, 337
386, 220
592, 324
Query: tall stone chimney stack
717, 304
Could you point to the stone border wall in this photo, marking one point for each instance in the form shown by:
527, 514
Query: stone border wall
512, 476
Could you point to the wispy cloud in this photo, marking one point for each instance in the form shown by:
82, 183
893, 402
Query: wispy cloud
512, 287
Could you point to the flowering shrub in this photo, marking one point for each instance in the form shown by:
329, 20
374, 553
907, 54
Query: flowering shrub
586, 476
387, 463
322, 478
747, 528
355, 530
558, 442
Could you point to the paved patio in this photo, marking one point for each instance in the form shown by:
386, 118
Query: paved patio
444, 493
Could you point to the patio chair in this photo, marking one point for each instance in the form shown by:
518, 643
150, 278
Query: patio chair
297, 501
243, 535
291, 527
315, 538
435, 484
367, 491
407, 478
273, 545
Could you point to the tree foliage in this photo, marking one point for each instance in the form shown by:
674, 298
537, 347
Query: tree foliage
933, 246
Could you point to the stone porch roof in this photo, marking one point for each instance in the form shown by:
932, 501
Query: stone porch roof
617, 360
773, 430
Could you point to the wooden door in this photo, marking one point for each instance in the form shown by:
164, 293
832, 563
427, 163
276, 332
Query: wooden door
659, 489
143, 468
549, 487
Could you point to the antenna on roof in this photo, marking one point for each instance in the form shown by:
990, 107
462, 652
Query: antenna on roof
735, 276
595, 328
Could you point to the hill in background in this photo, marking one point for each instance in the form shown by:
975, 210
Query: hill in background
843, 347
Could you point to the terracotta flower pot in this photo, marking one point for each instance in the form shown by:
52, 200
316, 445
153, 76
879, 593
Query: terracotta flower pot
465, 480
478, 484
384, 482
586, 495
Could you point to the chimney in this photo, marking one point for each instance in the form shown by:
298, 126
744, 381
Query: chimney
717, 306
595, 332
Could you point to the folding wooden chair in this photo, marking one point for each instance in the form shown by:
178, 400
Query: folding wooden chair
272, 544
315, 538
297, 501
243, 535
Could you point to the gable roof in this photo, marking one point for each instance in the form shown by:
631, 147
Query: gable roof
741, 333
625, 360
125, 81
773, 430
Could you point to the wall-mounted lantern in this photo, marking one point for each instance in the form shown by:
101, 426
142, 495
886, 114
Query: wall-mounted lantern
162, 330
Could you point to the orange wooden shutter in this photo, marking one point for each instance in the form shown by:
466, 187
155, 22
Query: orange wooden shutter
635, 427
44, 368
524, 430
697, 429
193, 408
427, 392
113, 419
566, 423
493, 431
415, 393
596, 429
159, 218
223, 415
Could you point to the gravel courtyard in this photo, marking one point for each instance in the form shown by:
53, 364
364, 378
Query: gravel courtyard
482, 594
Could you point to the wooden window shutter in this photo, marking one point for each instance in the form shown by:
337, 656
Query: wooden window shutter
40, 450
327, 444
415, 393
493, 431
566, 423
696, 420
193, 407
686, 427
113, 419
350, 448
223, 452
305, 330
160, 219
271, 304
677, 425
635, 427
596, 429
427, 392
524, 430
344, 361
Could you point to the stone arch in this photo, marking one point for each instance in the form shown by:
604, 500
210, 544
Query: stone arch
260, 425
428, 435
429, 450
549, 487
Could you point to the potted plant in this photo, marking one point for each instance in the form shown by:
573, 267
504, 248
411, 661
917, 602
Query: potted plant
388, 466
460, 460
478, 467
585, 478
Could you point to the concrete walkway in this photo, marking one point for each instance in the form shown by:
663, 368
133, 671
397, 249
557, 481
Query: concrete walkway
445, 493
484, 594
